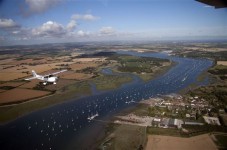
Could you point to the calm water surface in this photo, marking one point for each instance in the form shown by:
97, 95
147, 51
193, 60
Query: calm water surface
65, 126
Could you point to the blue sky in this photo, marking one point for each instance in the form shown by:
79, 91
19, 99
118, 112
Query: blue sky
46, 21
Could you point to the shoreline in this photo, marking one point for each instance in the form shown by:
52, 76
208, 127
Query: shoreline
205, 74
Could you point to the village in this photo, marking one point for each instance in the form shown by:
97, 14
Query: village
178, 112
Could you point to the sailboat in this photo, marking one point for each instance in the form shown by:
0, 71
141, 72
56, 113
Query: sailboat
93, 116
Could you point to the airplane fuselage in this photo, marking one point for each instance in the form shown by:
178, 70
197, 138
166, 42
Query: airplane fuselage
50, 79
47, 78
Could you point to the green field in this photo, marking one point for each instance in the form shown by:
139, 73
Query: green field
218, 69
109, 82
221, 141
162, 131
145, 67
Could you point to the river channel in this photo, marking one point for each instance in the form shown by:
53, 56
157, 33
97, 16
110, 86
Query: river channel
66, 126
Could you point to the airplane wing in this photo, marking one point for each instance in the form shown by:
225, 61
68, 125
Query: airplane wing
58, 72
31, 78
215, 3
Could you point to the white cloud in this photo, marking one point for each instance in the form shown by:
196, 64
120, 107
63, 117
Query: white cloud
49, 29
7, 23
71, 25
86, 17
16, 32
39, 6
107, 31
81, 33
54, 31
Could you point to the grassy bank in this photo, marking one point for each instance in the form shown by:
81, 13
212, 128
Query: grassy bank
162, 131
109, 82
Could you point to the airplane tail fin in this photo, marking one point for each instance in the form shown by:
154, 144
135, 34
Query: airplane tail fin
34, 73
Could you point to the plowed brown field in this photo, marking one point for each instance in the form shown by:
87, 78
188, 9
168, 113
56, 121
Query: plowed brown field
19, 95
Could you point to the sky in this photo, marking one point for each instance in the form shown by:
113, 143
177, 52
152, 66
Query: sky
59, 21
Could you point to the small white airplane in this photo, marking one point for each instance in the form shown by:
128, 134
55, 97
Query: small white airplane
50, 78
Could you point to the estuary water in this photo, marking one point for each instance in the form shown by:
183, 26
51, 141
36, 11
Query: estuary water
66, 126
